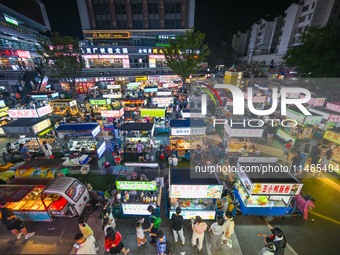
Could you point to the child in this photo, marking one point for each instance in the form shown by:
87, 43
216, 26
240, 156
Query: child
141, 238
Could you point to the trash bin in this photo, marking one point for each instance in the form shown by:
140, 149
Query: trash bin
175, 161
170, 160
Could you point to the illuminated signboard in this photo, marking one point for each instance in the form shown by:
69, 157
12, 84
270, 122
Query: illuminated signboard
136, 185
333, 106
37, 128
144, 51
113, 86
2, 103
99, 101
101, 149
137, 209
152, 112
299, 117
105, 50
151, 89
54, 94
104, 79
22, 113
98, 34
11, 20
275, 189
96, 131
23, 54
332, 136
44, 110
188, 131
162, 100
141, 78
3, 111
112, 113
196, 191
164, 93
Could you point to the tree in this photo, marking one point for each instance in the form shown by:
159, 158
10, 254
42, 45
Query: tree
319, 53
63, 58
185, 54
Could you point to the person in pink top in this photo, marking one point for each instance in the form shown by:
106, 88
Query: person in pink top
198, 228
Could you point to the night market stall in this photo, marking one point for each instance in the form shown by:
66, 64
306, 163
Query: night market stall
186, 135
264, 187
195, 196
330, 115
333, 137
144, 188
44, 97
43, 199
32, 133
156, 116
113, 91
100, 104
61, 106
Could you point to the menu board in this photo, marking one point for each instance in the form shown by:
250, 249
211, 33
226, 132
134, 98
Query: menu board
331, 136
195, 191
99, 101
162, 100
37, 128
188, 131
299, 117
152, 112
313, 120
137, 209
191, 214
112, 113
275, 189
136, 185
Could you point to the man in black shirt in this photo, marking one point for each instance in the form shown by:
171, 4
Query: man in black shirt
177, 225
13, 223
315, 154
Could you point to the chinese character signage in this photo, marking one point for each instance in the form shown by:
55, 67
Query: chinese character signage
141, 78
112, 113
152, 113
188, 131
275, 189
104, 79
331, 136
106, 35
41, 126
22, 113
44, 110
110, 86
153, 89
99, 101
136, 185
162, 100
299, 117
164, 93
333, 106
137, 209
334, 118
105, 50
195, 191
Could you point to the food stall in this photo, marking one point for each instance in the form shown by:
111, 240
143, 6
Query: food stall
239, 136
266, 193
330, 115
195, 196
3, 112
32, 133
100, 104
60, 106
334, 137
82, 135
131, 133
43, 199
157, 116
44, 97
131, 88
306, 125
185, 135
131, 105
113, 91
136, 195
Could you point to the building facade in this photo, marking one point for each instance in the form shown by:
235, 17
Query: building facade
19, 37
287, 30
131, 33
240, 43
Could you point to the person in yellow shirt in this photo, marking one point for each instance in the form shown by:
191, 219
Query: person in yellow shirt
85, 229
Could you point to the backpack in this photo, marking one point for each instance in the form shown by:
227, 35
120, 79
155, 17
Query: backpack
157, 221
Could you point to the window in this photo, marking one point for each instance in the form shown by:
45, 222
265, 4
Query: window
75, 191
305, 8
313, 5
309, 16
285, 14
302, 19
299, 30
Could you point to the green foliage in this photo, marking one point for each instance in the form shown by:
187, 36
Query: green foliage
181, 55
63, 58
319, 53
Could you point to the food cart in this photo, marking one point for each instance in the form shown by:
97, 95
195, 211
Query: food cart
239, 136
137, 194
131, 133
157, 116
195, 196
60, 106
305, 128
43, 199
266, 193
131, 105
185, 135
32, 133
82, 135
44, 97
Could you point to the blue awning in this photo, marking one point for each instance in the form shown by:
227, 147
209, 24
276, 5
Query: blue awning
77, 126
187, 123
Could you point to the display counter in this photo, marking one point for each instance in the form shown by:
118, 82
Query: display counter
131, 142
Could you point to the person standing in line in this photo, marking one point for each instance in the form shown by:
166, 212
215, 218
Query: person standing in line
141, 237
47, 149
107, 212
139, 150
286, 149
107, 223
113, 242
269, 249
229, 226
216, 231
177, 225
85, 245
153, 226
24, 153
13, 223
85, 229
315, 155
198, 227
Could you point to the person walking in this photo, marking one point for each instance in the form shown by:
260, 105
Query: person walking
279, 240
107, 223
85, 229
24, 153
229, 226
269, 249
113, 242
216, 231
154, 224
141, 237
315, 154
13, 223
107, 213
198, 227
177, 225
139, 150
161, 243
271, 131
286, 149
85, 245
47, 149
304, 156
296, 160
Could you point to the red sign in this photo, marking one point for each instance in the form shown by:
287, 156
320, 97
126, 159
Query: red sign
23, 54
112, 113
334, 118
8, 53
156, 57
